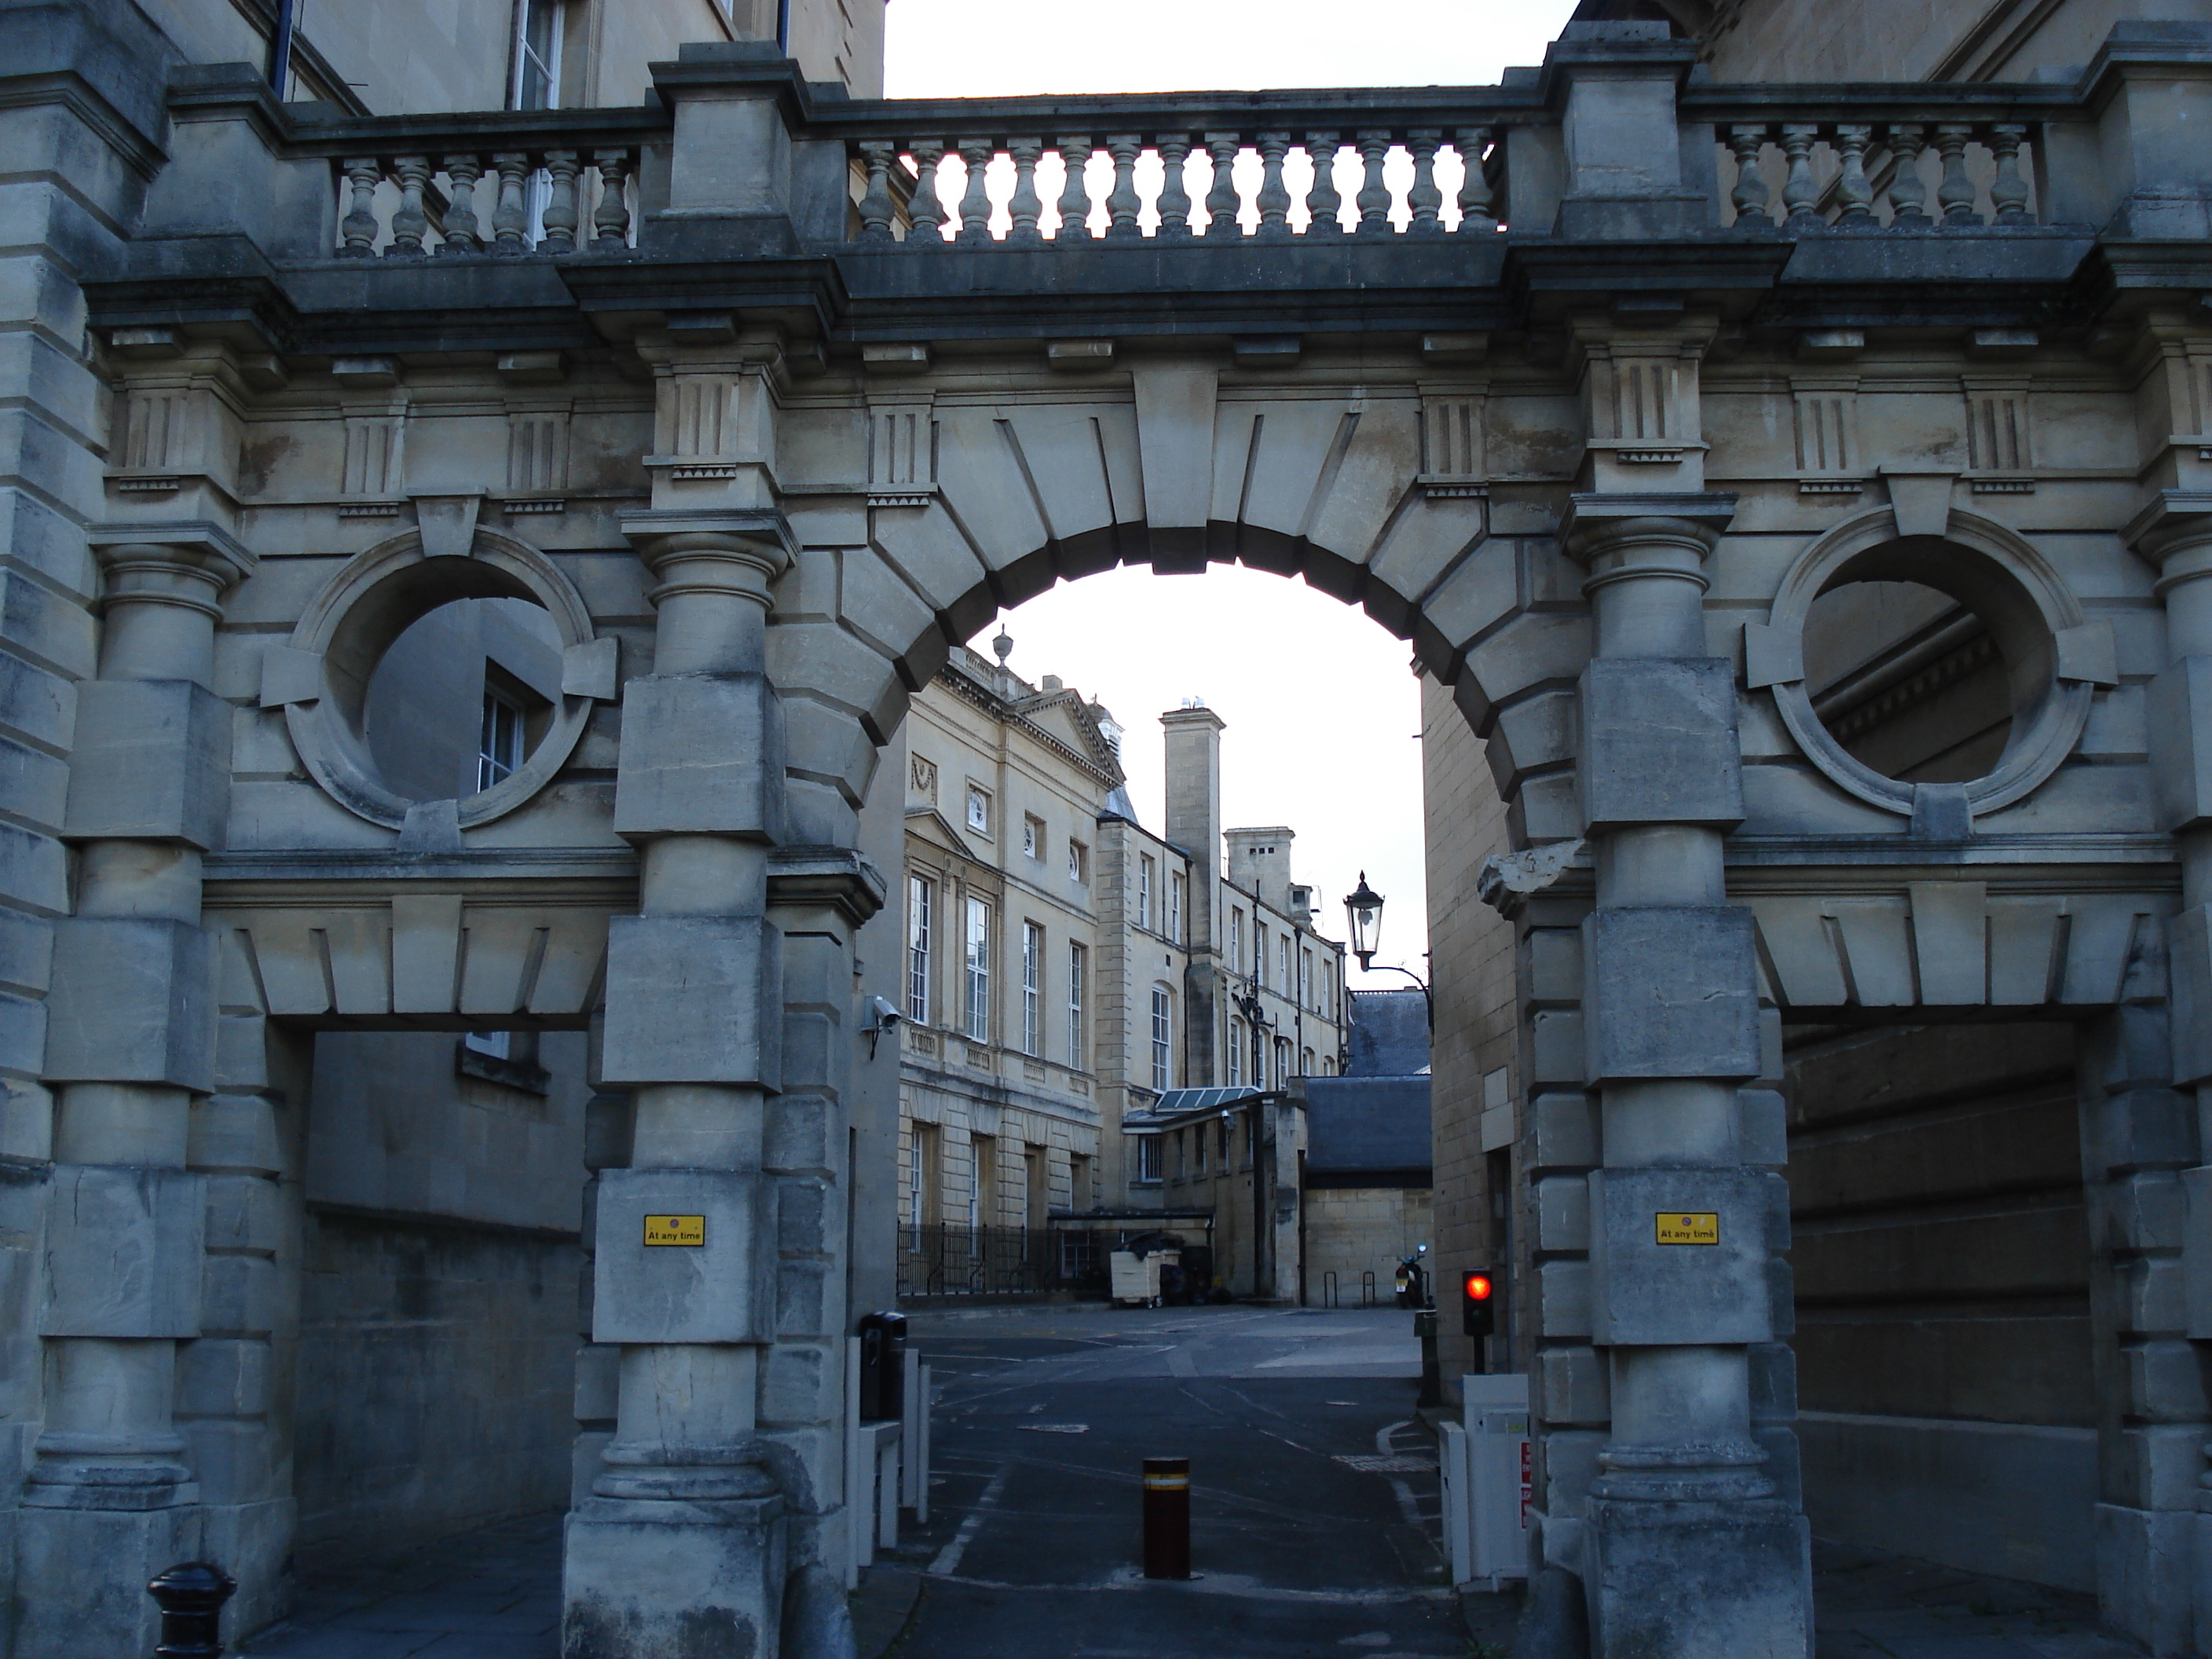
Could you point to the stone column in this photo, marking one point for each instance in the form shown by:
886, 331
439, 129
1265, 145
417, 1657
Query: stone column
131, 1044
2156, 1473
1688, 1550
679, 1552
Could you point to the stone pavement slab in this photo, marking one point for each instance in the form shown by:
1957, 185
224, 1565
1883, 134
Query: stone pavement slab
491, 1594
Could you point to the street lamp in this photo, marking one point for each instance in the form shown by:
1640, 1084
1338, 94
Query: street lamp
1363, 912
1363, 909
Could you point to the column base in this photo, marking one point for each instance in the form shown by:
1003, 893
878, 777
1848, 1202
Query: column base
647, 1578
81, 1576
252, 1542
1693, 1580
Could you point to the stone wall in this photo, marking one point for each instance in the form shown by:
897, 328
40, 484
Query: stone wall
437, 1349
1471, 963
437, 1369
1940, 1251
1350, 1231
1900, 40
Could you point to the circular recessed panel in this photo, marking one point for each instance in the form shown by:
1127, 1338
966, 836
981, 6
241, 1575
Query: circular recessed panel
413, 679
1907, 660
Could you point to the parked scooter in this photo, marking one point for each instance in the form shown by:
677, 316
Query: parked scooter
1412, 1280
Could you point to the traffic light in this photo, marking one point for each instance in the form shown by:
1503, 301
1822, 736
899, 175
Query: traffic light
1478, 1302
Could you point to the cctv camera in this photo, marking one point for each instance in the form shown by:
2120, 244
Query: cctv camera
883, 1014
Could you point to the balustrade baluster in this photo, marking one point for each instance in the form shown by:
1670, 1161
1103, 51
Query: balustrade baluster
362, 173
561, 215
1024, 207
975, 200
1123, 204
610, 219
410, 221
1221, 204
1175, 192
1274, 198
1750, 193
877, 208
462, 235
1799, 193
1322, 202
1075, 192
1424, 199
1853, 195
1374, 197
2009, 192
1957, 191
1908, 191
925, 211
510, 217
1475, 197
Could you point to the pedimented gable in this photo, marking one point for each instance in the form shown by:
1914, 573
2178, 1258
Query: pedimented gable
1066, 719
934, 826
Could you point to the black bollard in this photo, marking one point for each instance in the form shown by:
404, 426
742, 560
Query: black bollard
1167, 1517
190, 1596
1433, 1375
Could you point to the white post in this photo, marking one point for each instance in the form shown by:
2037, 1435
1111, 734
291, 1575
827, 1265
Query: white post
921, 1454
859, 1469
912, 1409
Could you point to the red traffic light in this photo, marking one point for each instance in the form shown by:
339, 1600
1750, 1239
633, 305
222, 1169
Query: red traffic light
1478, 1287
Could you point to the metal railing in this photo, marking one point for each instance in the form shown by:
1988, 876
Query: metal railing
980, 1262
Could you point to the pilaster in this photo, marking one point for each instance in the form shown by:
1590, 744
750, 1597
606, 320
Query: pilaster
686, 1531
2147, 1089
1687, 1530
131, 1047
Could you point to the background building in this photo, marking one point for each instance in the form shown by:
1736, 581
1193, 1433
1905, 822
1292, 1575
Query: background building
1072, 975
1367, 1178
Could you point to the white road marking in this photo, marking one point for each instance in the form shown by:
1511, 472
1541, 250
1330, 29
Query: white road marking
948, 1558
1406, 1506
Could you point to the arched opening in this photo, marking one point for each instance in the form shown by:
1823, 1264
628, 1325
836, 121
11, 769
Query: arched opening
1139, 799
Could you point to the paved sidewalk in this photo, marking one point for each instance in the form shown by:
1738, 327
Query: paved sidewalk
1872, 1606
492, 1594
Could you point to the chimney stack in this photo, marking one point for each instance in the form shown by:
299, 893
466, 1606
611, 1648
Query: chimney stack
1194, 781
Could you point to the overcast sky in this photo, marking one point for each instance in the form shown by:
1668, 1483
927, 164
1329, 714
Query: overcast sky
1323, 712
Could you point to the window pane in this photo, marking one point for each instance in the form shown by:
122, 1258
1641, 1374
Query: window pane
919, 895
978, 1010
1032, 975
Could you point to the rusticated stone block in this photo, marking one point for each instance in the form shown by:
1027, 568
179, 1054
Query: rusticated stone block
1658, 744
694, 999
701, 753
1644, 1292
1572, 1386
2180, 715
151, 761
123, 1252
133, 1002
1669, 991
720, 1289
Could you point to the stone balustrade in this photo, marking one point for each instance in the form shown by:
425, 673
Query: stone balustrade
1934, 164
507, 201
1240, 177
1200, 168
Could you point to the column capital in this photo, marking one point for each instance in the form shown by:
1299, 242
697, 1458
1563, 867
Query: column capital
1597, 523
733, 553
190, 564
2175, 533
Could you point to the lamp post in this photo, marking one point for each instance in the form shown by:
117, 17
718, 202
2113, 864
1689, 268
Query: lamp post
1362, 913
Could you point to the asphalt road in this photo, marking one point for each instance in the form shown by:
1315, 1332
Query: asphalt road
1313, 1503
